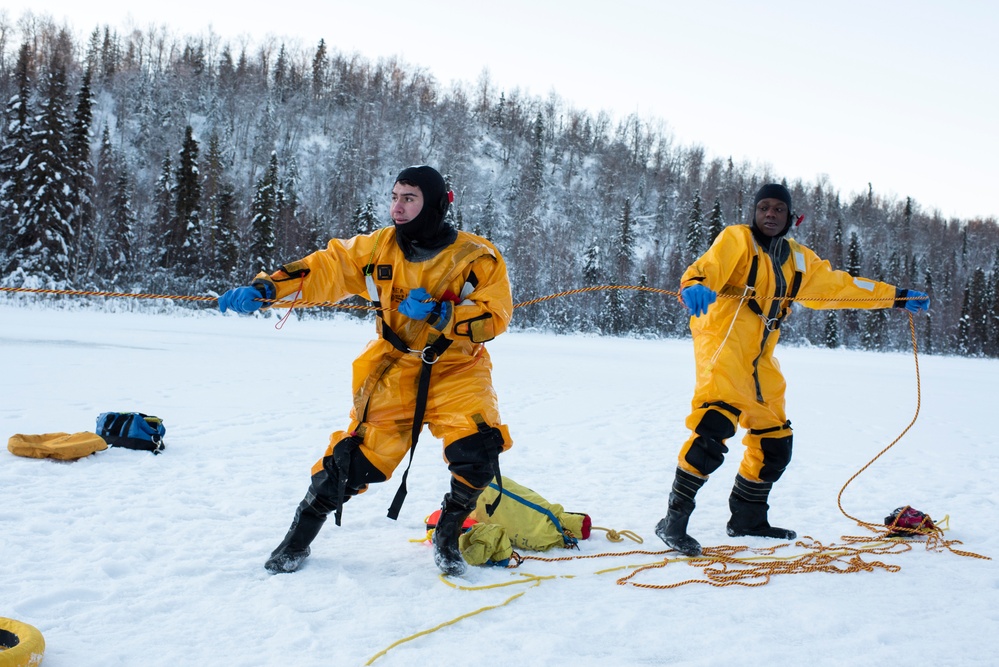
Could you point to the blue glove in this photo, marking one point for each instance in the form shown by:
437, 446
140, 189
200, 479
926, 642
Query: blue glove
697, 298
918, 301
242, 299
418, 304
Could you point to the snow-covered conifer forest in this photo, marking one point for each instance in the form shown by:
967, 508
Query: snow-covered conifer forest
180, 164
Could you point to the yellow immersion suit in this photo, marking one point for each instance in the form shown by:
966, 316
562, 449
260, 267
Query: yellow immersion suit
461, 403
739, 382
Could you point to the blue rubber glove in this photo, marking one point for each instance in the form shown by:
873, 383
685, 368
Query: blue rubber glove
242, 299
697, 298
418, 304
918, 301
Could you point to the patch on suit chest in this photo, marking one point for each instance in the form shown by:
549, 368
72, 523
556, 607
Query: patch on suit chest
383, 272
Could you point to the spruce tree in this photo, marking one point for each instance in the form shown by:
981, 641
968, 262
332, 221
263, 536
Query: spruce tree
263, 214
830, 332
185, 236
226, 246
320, 68
695, 230
715, 222
365, 220
964, 346
83, 184
163, 212
625, 245
978, 312
15, 155
44, 232
592, 274
116, 248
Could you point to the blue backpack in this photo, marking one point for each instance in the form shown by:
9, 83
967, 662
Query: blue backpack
132, 430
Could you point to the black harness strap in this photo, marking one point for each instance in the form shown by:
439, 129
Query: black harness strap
772, 429
431, 353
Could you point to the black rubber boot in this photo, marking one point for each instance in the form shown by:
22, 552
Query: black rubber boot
672, 529
748, 503
455, 509
294, 549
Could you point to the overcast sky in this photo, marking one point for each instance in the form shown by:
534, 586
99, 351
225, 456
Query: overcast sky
902, 94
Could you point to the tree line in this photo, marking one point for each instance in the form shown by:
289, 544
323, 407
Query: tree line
144, 161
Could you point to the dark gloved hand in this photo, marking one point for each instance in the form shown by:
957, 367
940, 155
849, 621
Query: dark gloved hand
419, 305
243, 299
917, 300
697, 298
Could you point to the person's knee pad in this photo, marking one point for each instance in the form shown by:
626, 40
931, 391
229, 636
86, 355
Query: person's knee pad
347, 458
708, 449
471, 458
776, 457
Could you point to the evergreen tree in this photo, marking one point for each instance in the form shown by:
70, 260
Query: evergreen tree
875, 321
625, 242
116, 248
830, 332
837, 244
15, 155
592, 274
185, 235
992, 346
715, 221
534, 179
928, 326
320, 69
615, 311
82, 183
485, 224
163, 212
289, 204
365, 220
854, 262
643, 316
695, 230
978, 312
226, 248
964, 326
263, 213
44, 232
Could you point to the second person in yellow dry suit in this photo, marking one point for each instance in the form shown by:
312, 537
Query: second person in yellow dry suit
739, 383
441, 294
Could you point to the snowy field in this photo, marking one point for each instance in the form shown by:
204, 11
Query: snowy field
128, 559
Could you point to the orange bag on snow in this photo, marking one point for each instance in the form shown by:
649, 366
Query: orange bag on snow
61, 446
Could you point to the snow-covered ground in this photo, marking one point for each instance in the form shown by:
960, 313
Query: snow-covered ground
125, 558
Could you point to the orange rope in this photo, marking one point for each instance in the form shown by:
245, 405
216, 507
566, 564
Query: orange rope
330, 304
715, 555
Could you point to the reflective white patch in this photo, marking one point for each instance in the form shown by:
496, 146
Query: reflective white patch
864, 284
799, 261
372, 288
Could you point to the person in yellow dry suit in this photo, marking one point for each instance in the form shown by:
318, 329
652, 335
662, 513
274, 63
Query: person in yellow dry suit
441, 294
739, 382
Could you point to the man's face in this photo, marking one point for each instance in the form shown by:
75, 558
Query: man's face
407, 202
771, 216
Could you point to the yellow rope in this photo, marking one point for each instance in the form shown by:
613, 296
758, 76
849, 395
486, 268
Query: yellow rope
533, 579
